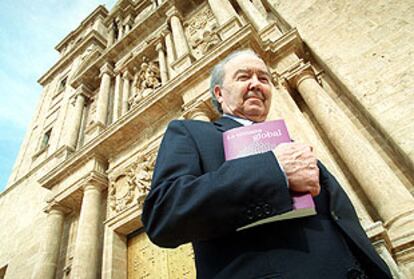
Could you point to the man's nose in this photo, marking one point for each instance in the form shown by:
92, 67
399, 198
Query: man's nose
254, 83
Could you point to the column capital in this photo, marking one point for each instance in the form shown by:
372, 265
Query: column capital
107, 68
159, 45
173, 11
298, 74
165, 32
55, 206
84, 90
126, 75
95, 180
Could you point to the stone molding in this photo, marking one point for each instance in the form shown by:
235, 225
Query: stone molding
92, 37
173, 11
55, 206
107, 68
95, 179
100, 11
297, 74
171, 91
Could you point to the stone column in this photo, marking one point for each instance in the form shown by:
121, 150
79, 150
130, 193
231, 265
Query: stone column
50, 246
266, 30
300, 129
226, 16
389, 196
163, 63
86, 256
120, 25
76, 117
170, 52
128, 24
260, 7
117, 97
253, 14
111, 36
222, 10
103, 95
126, 76
184, 58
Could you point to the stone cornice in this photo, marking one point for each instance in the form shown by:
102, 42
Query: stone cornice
93, 37
54, 205
121, 6
99, 11
288, 42
138, 32
139, 118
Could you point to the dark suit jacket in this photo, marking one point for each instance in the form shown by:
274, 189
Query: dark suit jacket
198, 197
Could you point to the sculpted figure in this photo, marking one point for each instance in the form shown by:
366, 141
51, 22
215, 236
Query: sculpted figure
145, 80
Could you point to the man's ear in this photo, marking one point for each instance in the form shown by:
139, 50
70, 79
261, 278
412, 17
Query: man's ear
217, 93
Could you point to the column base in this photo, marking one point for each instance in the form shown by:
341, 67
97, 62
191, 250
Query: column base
401, 231
382, 244
182, 63
404, 254
226, 30
270, 33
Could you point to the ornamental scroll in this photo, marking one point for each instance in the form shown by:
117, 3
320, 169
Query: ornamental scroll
201, 31
132, 186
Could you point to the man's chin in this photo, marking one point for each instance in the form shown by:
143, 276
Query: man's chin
256, 117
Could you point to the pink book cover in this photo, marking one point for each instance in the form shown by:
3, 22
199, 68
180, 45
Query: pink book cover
259, 138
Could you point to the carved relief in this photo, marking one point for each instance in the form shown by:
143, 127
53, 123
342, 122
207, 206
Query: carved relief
201, 31
140, 175
121, 193
146, 79
146, 260
133, 184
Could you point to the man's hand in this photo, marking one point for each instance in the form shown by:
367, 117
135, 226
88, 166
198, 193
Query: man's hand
299, 164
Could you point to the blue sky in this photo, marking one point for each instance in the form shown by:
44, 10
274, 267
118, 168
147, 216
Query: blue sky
29, 31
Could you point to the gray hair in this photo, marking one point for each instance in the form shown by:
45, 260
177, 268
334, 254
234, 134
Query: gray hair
217, 74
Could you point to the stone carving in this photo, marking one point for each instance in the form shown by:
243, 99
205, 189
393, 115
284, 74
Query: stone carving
208, 41
121, 193
134, 183
116, 27
145, 81
140, 175
201, 31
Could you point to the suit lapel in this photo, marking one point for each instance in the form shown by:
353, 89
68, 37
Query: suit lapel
225, 123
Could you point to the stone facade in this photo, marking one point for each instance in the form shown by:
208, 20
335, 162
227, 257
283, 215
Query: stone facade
342, 70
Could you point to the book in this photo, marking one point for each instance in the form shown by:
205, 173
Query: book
259, 138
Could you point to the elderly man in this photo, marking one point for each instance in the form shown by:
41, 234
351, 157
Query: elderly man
198, 197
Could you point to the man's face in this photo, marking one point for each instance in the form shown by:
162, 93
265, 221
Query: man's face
246, 90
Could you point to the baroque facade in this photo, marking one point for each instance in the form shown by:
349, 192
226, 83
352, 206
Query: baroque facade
342, 72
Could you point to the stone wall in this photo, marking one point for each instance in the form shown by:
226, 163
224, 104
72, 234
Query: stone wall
368, 46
